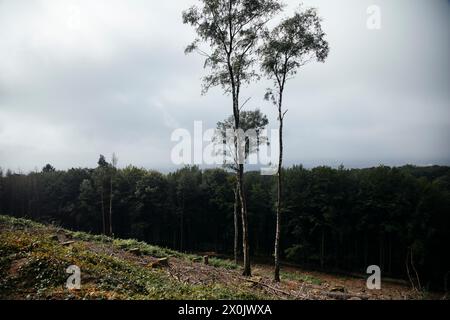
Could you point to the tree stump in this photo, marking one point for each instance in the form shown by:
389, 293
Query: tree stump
160, 263
339, 289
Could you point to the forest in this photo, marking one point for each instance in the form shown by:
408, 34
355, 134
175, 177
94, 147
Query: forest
334, 219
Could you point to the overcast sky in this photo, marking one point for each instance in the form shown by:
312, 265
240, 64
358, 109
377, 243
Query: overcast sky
83, 78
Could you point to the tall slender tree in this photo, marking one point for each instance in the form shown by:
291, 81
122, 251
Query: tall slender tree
293, 43
250, 120
232, 29
100, 174
113, 169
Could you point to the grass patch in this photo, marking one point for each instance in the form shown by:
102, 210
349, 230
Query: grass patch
146, 248
19, 223
90, 237
296, 276
222, 263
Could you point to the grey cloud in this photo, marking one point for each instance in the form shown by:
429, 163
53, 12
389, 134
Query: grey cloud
121, 83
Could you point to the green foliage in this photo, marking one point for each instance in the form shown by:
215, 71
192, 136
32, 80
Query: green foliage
296, 276
90, 237
292, 44
249, 120
145, 248
338, 218
295, 253
231, 30
20, 223
222, 263
48, 168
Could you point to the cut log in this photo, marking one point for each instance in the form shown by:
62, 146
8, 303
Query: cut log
160, 263
345, 296
339, 289
67, 243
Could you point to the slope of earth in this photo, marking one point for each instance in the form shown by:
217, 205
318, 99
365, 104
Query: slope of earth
34, 259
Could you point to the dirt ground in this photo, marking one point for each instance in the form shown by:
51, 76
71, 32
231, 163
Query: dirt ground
297, 283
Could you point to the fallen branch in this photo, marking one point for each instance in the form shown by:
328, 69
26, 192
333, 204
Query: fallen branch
267, 286
67, 243
344, 296
135, 251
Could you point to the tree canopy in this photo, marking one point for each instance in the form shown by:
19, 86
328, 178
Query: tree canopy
343, 219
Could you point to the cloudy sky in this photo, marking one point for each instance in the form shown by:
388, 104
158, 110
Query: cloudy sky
81, 78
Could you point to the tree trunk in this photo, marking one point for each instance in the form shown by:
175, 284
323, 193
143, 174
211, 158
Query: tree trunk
419, 286
181, 227
245, 243
236, 223
407, 269
279, 195
366, 249
110, 205
381, 251
390, 255
181, 207
322, 249
240, 178
103, 212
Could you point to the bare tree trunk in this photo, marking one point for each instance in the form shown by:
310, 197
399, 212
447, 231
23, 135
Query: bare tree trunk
407, 270
182, 225
245, 243
112, 173
279, 193
103, 212
381, 251
110, 205
322, 249
390, 255
419, 286
240, 157
366, 249
236, 224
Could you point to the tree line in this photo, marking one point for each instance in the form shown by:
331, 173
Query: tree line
334, 219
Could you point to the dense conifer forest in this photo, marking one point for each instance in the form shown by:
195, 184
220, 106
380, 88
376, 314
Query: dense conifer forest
334, 219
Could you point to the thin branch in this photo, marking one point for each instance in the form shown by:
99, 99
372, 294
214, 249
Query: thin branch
245, 102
